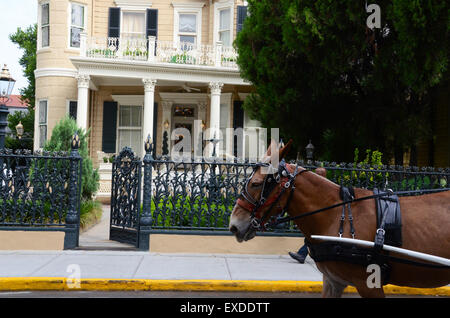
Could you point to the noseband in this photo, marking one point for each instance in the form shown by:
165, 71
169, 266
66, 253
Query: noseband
283, 178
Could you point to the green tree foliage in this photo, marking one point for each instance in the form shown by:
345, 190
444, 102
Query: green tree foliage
319, 73
26, 40
61, 141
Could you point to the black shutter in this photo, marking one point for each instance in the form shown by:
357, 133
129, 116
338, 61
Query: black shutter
152, 24
114, 23
241, 15
238, 122
73, 109
109, 127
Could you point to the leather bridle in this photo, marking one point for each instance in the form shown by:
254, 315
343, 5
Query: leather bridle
283, 178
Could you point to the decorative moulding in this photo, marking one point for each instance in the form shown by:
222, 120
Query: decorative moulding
129, 99
193, 5
133, 4
65, 72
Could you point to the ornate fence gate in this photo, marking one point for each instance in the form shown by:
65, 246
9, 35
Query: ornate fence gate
125, 198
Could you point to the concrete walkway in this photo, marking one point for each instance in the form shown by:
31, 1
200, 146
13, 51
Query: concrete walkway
97, 237
145, 265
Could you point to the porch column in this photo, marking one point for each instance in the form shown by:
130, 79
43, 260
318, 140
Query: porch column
214, 115
82, 105
149, 104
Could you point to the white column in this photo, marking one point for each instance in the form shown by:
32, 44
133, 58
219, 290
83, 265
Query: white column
214, 114
82, 105
149, 104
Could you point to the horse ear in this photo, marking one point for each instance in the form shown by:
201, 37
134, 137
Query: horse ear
321, 172
273, 143
285, 149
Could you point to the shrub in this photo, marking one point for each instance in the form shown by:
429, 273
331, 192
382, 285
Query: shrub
61, 141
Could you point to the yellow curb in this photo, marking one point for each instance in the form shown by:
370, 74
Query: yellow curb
101, 284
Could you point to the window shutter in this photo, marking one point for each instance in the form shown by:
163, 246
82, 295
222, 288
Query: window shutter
73, 109
238, 122
152, 24
241, 15
114, 23
109, 127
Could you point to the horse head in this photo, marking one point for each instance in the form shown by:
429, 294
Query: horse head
254, 200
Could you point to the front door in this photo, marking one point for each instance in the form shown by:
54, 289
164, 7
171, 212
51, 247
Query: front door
183, 117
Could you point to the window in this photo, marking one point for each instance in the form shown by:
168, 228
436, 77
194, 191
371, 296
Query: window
129, 129
223, 22
183, 111
42, 123
187, 23
225, 27
77, 23
133, 24
45, 25
72, 109
187, 29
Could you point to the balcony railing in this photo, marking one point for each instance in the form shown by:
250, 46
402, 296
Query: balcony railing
155, 51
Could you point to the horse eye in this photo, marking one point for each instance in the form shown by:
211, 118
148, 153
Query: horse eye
256, 184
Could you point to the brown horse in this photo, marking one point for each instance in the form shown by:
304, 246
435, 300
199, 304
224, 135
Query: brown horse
425, 228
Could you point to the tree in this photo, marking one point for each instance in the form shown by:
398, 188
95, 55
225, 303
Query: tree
320, 73
26, 40
61, 141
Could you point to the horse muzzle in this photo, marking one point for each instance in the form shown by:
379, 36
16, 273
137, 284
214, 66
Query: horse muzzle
245, 234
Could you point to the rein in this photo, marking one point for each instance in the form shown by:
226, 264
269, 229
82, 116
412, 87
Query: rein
374, 196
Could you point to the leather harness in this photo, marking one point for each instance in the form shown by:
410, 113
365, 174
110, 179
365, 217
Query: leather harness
332, 251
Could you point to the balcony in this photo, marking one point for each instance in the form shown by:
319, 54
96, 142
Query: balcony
155, 51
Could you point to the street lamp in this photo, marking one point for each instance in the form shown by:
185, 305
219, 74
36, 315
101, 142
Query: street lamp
309, 152
6, 87
19, 130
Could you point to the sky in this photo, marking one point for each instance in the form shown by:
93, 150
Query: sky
15, 14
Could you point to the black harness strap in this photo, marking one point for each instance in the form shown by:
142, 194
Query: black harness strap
348, 195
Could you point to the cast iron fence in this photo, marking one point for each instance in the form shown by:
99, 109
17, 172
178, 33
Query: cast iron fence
41, 191
397, 178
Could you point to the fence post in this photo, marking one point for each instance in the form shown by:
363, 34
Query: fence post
72, 217
145, 221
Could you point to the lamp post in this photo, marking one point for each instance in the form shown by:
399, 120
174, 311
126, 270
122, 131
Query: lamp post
6, 87
213, 186
309, 152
